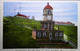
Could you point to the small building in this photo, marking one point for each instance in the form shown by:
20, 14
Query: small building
63, 23
47, 31
22, 16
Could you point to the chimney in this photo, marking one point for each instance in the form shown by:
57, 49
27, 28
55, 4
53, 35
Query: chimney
35, 27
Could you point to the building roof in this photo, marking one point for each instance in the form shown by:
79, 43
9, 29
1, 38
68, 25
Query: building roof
63, 22
21, 15
48, 7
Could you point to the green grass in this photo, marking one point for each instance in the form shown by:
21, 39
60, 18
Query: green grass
70, 31
17, 32
16, 35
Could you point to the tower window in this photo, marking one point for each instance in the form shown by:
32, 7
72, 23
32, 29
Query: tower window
49, 11
49, 25
45, 25
61, 34
44, 34
56, 34
39, 34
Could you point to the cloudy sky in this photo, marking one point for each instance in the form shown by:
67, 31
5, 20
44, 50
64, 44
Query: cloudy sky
62, 11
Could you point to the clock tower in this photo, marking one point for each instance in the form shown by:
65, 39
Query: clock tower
47, 23
48, 13
47, 31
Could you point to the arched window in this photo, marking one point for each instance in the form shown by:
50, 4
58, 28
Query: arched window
49, 11
49, 26
45, 25
39, 34
50, 36
44, 34
56, 34
61, 34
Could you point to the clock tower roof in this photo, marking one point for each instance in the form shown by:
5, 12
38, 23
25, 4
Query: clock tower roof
48, 7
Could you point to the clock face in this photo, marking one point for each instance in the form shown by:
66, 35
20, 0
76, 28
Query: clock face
49, 18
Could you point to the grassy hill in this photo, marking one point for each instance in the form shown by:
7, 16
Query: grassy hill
70, 31
17, 32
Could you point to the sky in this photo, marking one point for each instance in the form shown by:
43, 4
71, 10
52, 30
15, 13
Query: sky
62, 11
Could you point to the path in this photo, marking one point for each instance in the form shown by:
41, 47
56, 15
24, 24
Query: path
26, 26
70, 42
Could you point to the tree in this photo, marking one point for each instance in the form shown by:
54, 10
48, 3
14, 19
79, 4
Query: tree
33, 18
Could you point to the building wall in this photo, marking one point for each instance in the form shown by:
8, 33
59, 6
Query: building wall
46, 14
45, 11
22, 17
47, 25
63, 24
34, 34
47, 35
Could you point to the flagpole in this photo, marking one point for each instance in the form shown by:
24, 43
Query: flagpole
20, 7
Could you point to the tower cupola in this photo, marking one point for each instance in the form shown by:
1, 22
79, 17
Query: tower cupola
48, 7
48, 13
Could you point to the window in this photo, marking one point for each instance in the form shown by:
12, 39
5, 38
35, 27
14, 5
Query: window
49, 25
49, 11
39, 34
45, 25
61, 34
50, 36
56, 34
44, 34
44, 11
41, 25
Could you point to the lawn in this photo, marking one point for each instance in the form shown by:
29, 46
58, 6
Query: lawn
17, 32
70, 31
16, 35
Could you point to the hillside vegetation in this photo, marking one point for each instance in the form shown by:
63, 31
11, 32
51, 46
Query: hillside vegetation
70, 31
17, 32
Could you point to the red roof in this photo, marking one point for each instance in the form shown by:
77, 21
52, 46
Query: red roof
48, 7
63, 22
22, 15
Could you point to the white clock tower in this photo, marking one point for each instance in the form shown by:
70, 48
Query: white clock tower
48, 13
47, 31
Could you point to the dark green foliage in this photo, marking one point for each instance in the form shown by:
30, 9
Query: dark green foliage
56, 46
